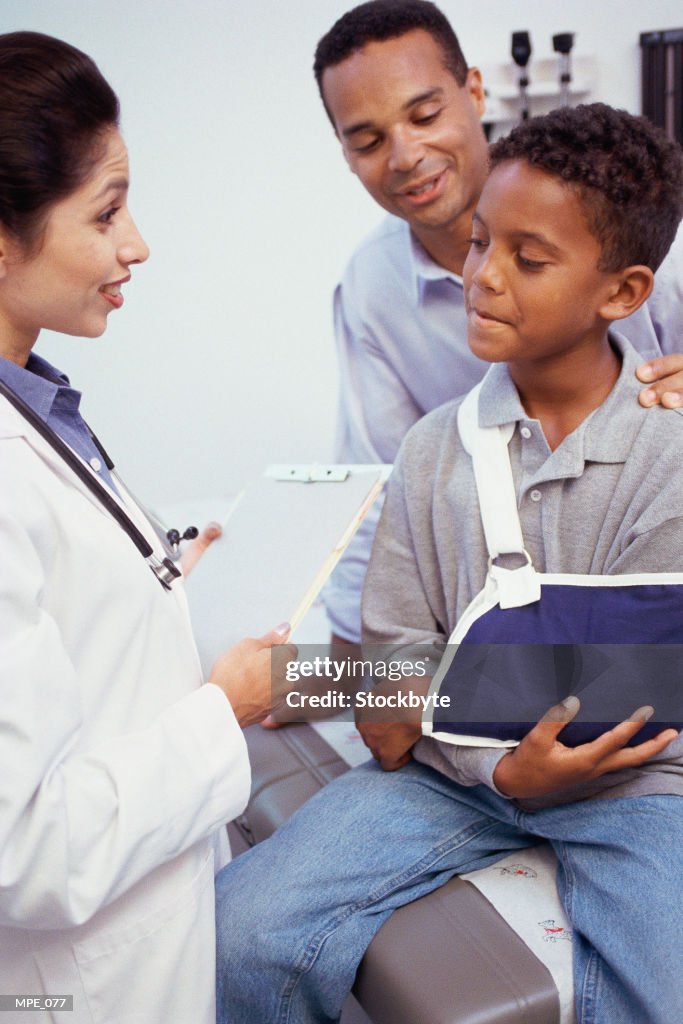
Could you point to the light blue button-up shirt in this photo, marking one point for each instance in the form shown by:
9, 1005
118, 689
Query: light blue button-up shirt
49, 394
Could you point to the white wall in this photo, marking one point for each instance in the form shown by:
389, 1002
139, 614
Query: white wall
222, 359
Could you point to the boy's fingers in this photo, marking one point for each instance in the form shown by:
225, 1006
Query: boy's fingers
649, 748
611, 742
549, 727
615, 739
393, 764
633, 757
562, 712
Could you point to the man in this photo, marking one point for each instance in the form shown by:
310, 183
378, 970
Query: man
406, 109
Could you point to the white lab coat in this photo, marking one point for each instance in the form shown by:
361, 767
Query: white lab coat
117, 767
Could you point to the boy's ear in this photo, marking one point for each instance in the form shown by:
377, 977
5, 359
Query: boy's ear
630, 289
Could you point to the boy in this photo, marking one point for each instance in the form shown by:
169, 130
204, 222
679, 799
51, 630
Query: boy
578, 212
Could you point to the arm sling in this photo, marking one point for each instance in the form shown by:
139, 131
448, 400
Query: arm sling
530, 639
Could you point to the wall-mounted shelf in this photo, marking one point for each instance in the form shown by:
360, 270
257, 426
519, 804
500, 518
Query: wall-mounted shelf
502, 90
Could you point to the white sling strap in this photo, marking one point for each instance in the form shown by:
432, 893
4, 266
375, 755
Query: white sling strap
488, 449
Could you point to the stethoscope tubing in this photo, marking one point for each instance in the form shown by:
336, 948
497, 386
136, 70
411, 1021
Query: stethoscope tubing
164, 569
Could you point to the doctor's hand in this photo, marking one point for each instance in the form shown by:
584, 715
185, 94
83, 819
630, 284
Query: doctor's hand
244, 674
664, 376
194, 551
340, 650
541, 764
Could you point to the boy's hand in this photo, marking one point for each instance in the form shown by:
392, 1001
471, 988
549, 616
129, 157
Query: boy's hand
665, 378
390, 743
391, 733
542, 765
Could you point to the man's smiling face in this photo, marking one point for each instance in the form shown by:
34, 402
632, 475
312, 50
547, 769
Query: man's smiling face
409, 132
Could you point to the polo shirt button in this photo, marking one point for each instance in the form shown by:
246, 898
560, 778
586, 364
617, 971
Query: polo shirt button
535, 495
525, 432
96, 464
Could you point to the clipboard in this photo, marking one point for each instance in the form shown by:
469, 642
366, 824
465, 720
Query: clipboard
281, 540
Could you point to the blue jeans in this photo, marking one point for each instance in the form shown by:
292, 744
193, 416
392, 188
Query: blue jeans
296, 913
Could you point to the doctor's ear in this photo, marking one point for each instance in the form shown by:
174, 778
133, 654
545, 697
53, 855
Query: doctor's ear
11, 250
4, 250
631, 288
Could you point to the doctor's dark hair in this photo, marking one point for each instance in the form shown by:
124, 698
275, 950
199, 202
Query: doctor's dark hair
379, 20
54, 107
626, 173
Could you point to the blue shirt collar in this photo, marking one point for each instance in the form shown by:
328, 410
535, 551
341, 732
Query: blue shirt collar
38, 384
47, 391
425, 269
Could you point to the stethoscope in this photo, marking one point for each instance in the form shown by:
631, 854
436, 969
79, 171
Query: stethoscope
163, 568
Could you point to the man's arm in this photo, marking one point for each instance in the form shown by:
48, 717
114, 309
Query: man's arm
376, 410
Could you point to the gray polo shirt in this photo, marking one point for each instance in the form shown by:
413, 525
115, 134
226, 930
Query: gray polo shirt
608, 500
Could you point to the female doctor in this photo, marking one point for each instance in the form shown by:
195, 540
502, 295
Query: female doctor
118, 768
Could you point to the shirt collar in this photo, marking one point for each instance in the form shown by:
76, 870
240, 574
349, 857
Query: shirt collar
38, 383
606, 435
425, 269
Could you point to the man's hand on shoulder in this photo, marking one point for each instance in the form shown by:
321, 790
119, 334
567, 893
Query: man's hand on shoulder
664, 377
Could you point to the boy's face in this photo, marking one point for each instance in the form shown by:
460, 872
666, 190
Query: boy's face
409, 132
532, 287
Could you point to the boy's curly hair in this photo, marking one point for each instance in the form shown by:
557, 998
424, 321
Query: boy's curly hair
626, 172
